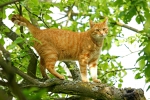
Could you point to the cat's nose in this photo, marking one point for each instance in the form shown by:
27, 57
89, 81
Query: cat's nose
103, 35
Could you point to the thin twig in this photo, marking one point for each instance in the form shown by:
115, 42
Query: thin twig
128, 27
127, 48
69, 13
40, 18
61, 18
112, 71
130, 53
17, 6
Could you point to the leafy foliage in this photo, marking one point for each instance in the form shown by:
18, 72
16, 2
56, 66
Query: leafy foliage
75, 15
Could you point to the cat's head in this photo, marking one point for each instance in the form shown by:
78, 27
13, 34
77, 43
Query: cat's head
99, 30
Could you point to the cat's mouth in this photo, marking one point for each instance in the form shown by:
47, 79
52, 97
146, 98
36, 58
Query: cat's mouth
101, 35
98, 37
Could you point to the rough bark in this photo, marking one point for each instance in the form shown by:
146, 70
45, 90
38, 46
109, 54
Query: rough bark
96, 91
72, 66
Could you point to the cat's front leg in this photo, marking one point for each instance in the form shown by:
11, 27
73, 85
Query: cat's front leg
83, 61
93, 71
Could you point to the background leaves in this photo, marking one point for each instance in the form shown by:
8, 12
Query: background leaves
75, 16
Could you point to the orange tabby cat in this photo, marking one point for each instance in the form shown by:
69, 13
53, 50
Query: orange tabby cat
58, 44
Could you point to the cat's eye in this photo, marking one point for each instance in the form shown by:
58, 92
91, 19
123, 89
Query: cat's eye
104, 29
97, 29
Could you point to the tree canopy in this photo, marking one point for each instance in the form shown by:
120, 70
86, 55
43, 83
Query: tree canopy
19, 65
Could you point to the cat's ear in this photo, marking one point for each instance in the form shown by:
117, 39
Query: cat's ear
105, 21
91, 23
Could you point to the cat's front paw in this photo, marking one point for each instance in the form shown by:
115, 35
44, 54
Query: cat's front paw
85, 80
97, 81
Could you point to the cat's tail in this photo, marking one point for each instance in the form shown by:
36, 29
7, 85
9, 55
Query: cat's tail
19, 20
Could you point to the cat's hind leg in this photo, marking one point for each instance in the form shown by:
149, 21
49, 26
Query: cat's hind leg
43, 68
50, 60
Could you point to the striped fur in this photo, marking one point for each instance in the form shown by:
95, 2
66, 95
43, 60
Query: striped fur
58, 44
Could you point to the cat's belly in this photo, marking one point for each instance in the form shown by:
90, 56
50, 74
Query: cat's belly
67, 59
66, 56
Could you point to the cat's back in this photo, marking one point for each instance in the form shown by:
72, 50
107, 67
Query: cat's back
67, 43
59, 35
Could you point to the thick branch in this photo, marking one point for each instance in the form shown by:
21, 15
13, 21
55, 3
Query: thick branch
3, 83
10, 2
72, 66
74, 98
3, 95
6, 54
93, 90
10, 34
11, 79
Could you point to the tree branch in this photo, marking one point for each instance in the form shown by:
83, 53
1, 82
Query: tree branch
69, 13
10, 2
39, 17
102, 17
11, 79
74, 98
92, 90
6, 54
129, 54
97, 91
128, 27
75, 72
3, 83
3, 95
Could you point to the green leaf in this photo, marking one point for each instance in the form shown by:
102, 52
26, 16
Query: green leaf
140, 58
147, 71
2, 42
138, 76
120, 80
6, 29
19, 40
141, 63
147, 49
118, 2
148, 88
139, 19
147, 23
112, 65
105, 66
119, 85
12, 46
110, 74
